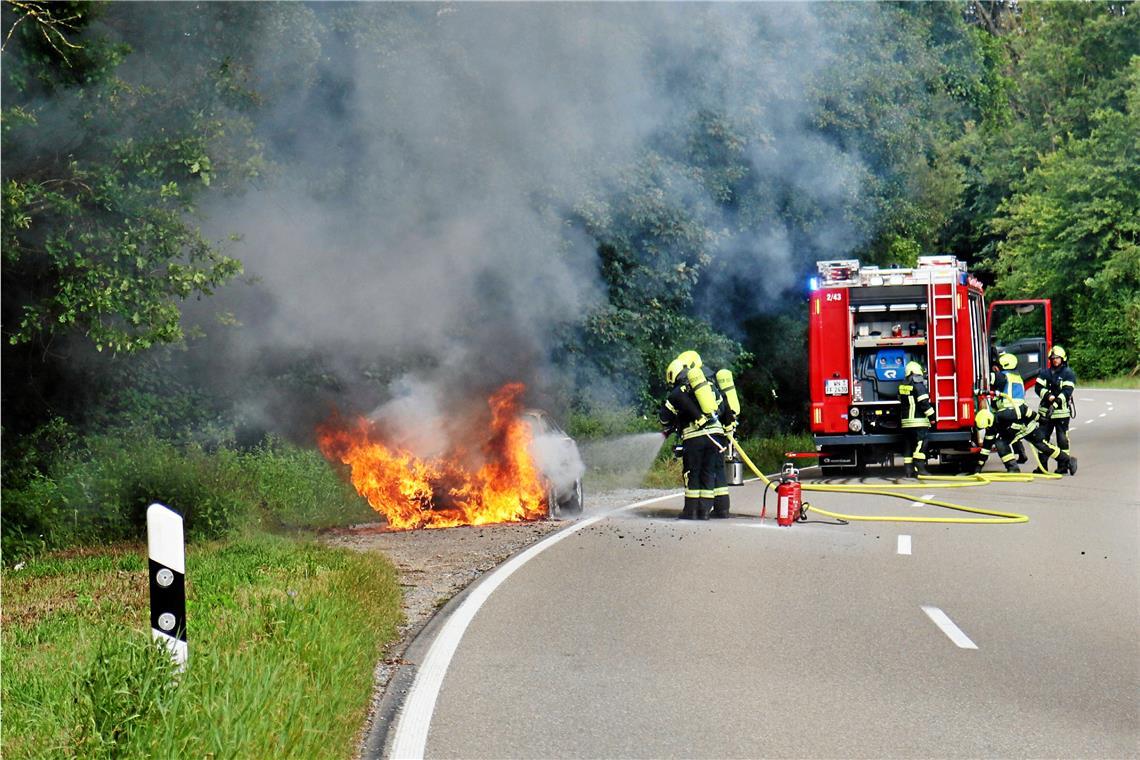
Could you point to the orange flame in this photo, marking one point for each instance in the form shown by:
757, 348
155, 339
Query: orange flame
441, 493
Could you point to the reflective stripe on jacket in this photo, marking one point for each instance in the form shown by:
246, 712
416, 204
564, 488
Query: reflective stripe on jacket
1060, 384
917, 410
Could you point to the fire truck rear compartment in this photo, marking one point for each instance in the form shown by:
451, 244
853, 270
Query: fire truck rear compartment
931, 315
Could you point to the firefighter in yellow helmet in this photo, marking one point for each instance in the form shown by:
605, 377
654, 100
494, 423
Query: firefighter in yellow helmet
689, 359
985, 436
724, 386
917, 414
1056, 383
690, 410
1009, 404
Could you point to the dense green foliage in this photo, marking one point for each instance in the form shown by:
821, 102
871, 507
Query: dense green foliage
101, 173
1053, 192
275, 628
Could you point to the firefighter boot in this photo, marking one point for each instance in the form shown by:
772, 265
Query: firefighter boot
910, 471
1067, 464
920, 465
1022, 457
1011, 466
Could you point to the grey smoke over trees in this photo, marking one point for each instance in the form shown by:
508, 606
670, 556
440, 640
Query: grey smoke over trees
452, 196
568, 193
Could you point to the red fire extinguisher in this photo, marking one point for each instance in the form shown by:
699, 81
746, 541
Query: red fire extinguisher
788, 499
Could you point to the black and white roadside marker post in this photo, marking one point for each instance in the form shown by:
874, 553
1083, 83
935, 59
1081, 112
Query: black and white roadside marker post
167, 549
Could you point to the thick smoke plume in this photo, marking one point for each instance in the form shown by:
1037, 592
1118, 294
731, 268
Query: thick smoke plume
427, 158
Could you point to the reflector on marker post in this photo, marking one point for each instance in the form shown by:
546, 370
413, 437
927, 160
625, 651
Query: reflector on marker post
167, 566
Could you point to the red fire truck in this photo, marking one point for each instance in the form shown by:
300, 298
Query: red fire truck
865, 324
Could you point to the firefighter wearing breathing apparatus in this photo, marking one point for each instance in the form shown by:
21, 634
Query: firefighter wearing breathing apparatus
1015, 422
1009, 407
1009, 393
1055, 385
691, 409
916, 415
728, 411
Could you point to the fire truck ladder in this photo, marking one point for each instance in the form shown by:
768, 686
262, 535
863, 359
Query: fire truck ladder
944, 325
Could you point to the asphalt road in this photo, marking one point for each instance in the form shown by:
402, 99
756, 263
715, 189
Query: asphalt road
643, 636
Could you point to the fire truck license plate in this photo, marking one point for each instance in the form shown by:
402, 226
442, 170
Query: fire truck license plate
835, 387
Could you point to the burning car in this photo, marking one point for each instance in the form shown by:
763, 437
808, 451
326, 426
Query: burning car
518, 466
557, 457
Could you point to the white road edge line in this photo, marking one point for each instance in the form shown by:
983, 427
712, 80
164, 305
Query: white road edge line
410, 740
943, 621
904, 544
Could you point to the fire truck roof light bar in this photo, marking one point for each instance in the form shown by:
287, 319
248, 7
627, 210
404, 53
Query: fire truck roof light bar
930, 269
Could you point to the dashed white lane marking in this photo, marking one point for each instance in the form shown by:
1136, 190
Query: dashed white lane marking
415, 717
1089, 422
946, 625
919, 503
904, 544
1102, 414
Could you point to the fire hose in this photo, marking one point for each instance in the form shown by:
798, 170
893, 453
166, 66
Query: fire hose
929, 481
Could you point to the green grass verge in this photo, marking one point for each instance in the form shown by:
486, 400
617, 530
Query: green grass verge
766, 453
284, 638
1123, 381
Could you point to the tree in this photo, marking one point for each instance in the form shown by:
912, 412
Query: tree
116, 123
103, 166
1050, 66
1072, 233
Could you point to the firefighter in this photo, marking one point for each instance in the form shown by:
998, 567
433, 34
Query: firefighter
985, 436
690, 410
728, 411
917, 413
1027, 428
1010, 390
1008, 405
1055, 385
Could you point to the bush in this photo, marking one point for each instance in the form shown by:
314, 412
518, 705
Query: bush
296, 488
99, 492
766, 453
607, 423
